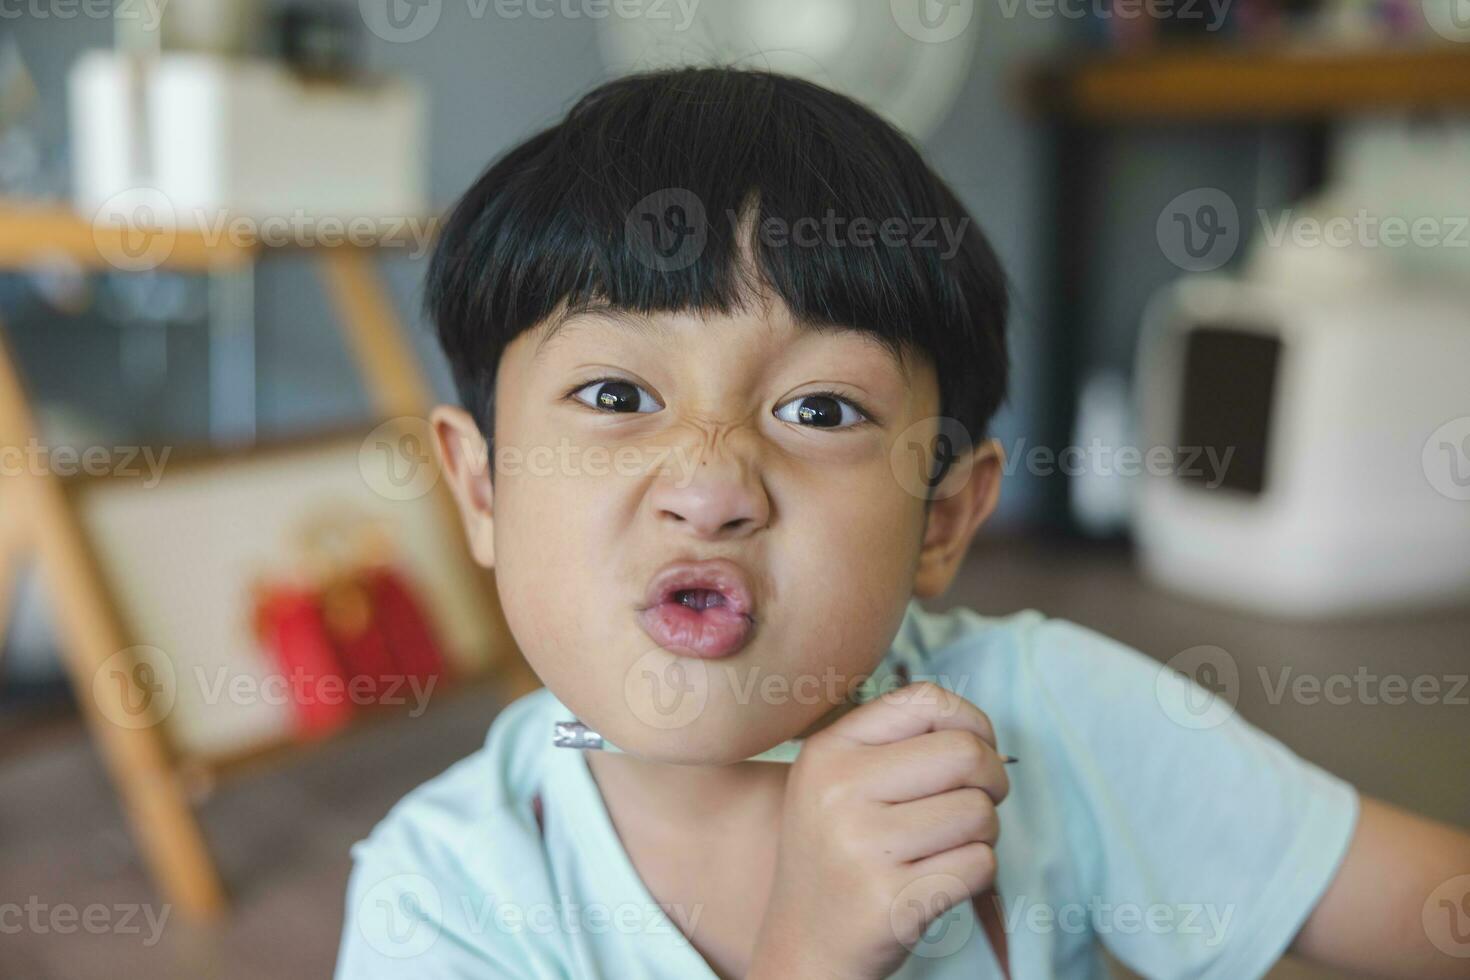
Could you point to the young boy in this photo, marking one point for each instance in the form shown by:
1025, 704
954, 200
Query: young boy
732, 348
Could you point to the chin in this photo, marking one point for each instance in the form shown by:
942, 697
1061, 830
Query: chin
681, 747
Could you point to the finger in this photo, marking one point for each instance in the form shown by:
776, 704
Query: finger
908, 711
934, 763
935, 884
934, 824
972, 863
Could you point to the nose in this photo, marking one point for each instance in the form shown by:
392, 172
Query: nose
713, 499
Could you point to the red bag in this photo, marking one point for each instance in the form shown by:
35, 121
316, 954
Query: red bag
290, 624
356, 627
412, 641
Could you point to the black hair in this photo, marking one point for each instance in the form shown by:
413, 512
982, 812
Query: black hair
668, 191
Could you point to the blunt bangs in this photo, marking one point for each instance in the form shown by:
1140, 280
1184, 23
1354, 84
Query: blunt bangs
704, 190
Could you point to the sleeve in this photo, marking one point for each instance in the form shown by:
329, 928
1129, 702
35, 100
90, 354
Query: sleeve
1204, 842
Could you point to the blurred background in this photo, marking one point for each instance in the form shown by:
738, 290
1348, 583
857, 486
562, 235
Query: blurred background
1239, 438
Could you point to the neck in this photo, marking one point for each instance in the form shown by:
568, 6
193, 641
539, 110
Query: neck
681, 798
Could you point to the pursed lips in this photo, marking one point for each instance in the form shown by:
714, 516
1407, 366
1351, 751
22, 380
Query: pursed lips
703, 609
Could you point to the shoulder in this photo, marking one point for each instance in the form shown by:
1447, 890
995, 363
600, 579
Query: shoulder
485, 797
960, 647
429, 880
1089, 709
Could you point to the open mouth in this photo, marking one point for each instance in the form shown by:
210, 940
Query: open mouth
701, 609
699, 599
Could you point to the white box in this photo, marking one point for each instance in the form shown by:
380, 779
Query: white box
1364, 504
216, 135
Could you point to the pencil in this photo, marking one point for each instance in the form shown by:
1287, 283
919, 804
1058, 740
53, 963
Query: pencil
575, 735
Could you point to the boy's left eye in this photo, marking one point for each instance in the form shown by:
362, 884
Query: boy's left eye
822, 410
616, 395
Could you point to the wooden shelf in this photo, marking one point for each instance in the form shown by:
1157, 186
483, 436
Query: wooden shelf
40, 521
32, 232
1190, 83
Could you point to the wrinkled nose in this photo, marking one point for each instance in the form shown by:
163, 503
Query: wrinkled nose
715, 503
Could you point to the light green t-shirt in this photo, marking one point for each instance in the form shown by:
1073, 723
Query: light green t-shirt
1144, 815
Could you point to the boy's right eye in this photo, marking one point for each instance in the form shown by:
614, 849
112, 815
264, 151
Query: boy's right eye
615, 395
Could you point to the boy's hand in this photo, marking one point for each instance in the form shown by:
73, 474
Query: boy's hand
889, 820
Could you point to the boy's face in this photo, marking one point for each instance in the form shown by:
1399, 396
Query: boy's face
747, 438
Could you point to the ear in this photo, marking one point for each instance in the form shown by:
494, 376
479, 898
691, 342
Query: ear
465, 460
963, 500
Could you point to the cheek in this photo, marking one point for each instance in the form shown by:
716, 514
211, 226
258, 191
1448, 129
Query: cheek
549, 535
860, 524
847, 573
